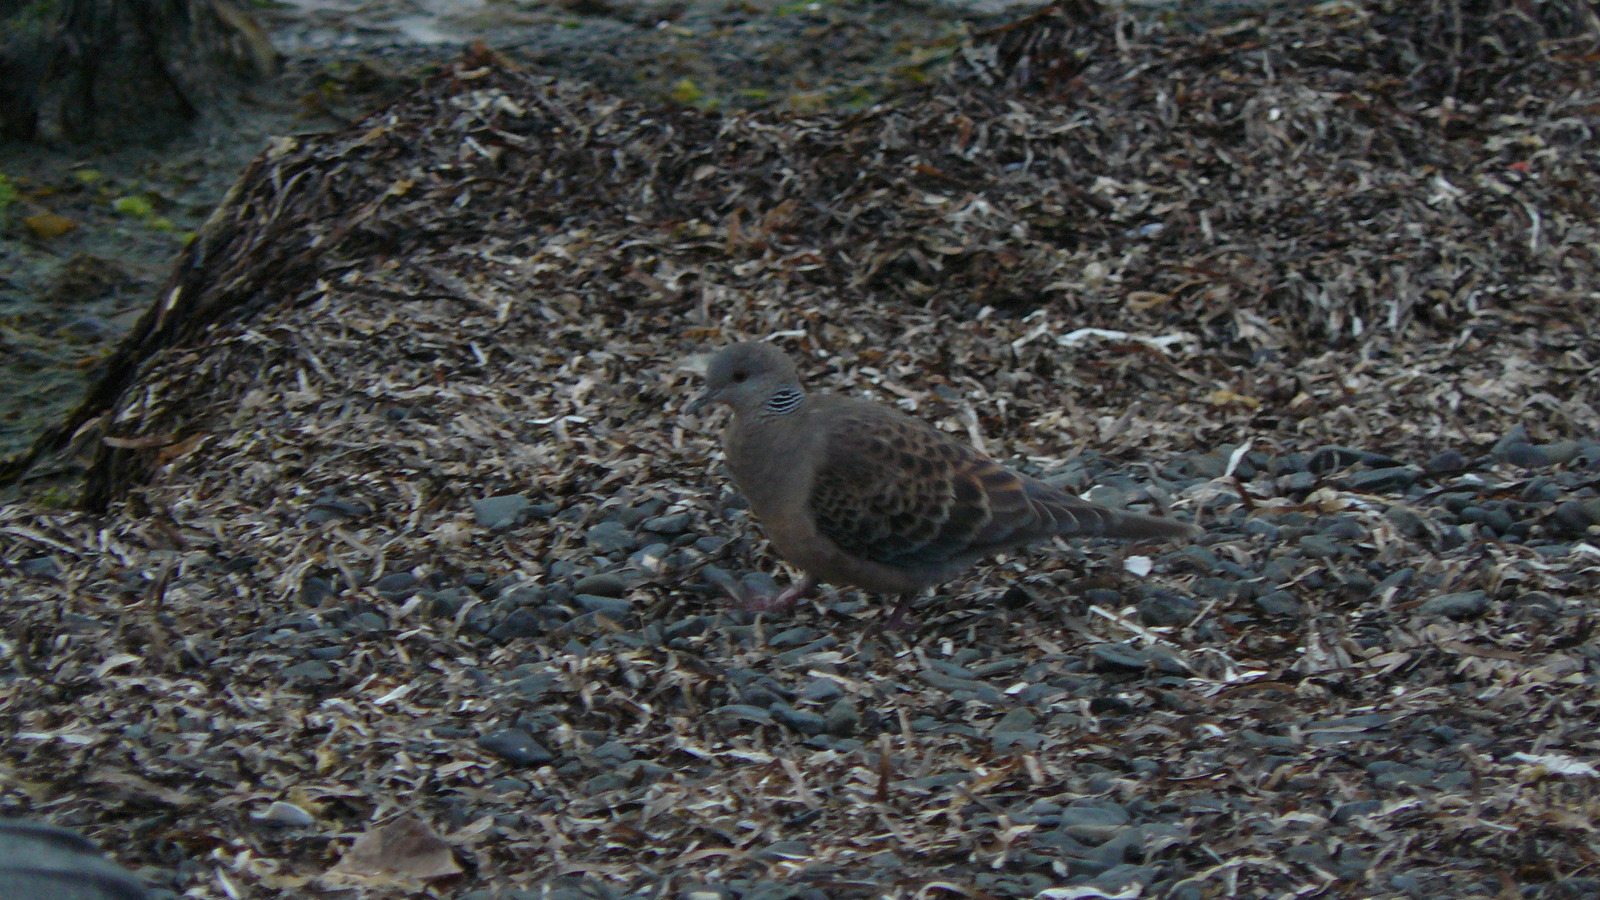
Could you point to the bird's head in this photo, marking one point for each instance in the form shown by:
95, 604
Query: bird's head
748, 377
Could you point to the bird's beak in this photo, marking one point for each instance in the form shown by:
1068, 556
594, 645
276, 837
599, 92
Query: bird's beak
700, 403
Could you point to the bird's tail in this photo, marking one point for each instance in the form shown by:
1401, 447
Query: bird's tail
1075, 516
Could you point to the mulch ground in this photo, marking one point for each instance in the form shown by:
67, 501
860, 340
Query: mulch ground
392, 579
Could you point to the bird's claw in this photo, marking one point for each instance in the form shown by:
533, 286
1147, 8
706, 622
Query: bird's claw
746, 595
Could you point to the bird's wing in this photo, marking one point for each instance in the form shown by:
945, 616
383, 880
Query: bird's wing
896, 491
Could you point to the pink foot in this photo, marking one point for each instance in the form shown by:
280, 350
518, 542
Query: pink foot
759, 601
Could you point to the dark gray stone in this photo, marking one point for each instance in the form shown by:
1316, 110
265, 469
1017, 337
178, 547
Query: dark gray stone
1260, 527
601, 584
1094, 821
314, 670
516, 746
614, 608
397, 585
1280, 603
1463, 605
1446, 461
519, 623
1406, 521
1321, 546
800, 720
744, 712
1377, 481
1166, 608
41, 567
793, 637
677, 523
842, 717
613, 751
502, 512
821, 690
610, 537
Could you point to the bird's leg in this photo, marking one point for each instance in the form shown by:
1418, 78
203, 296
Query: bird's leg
902, 619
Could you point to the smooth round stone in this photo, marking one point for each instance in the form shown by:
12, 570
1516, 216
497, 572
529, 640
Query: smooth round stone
1463, 605
1406, 521
286, 814
610, 537
41, 567
519, 623
1165, 608
614, 751
1522, 453
800, 720
1446, 461
516, 746
1094, 821
842, 717
600, 584
614, 607
1320, 546
677, 523
1260, 527
502, 512
1279, 603
397, 585
314, 670
1384, 480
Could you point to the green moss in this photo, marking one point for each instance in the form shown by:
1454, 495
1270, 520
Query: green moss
8, 199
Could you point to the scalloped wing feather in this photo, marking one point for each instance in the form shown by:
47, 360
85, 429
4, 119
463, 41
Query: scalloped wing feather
896, 491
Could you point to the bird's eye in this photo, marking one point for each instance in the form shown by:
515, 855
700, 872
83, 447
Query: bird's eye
740, 377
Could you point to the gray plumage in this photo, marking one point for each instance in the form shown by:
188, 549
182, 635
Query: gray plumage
856, 493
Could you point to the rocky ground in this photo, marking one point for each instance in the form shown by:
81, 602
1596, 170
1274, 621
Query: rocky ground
402, 585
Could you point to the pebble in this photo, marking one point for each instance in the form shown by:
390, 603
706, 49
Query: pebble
615, 608
800, 720
610, 537
601, 584
330, 508
1459, 606
744, 712
397, 585
1320, 546
1385, 480
676, 523
501, 512
516, 746
842, 717
1327, 459
41, 567
1406, 521
312, 670
1162, 607
522, 622
1126, 656
1573, 517
793, 637
287, 815
1094, 821
1445, 461
1257, 527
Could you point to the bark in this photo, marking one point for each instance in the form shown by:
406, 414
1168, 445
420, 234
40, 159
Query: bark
119, 70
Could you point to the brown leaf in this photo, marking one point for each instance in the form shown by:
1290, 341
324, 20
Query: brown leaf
401, 850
